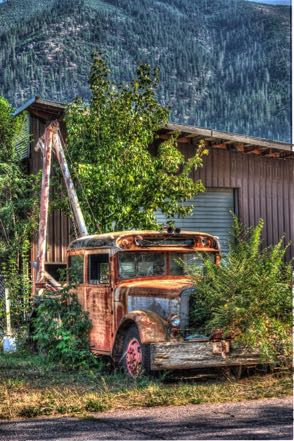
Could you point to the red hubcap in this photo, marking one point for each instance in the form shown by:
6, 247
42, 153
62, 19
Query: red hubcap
134, 357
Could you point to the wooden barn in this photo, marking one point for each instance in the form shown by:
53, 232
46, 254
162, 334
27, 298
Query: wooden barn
251, 177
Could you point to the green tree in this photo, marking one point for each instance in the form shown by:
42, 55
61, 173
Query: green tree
123, 180
248, 297
17, 209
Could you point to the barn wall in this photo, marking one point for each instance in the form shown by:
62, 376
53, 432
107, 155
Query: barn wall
264, 189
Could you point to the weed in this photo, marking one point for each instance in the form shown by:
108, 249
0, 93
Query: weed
30, 412
97, 405
196, 400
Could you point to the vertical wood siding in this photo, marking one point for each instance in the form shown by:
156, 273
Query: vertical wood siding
59, 226
265, 189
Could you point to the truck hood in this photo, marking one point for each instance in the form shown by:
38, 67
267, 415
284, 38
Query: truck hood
164, 288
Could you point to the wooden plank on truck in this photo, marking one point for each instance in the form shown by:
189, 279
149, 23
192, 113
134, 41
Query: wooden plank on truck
194, 355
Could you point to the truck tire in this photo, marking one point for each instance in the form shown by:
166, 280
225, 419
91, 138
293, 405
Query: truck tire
135, 359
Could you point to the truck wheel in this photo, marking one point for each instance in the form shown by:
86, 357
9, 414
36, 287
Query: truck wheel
135, 358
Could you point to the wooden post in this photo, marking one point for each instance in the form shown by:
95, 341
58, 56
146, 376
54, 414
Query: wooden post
59, 152
44, 206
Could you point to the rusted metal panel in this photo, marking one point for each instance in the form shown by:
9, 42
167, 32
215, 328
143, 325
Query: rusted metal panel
193, 355
99, 305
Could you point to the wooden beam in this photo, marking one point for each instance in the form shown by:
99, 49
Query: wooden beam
229, 138
187, 129
253, 150
221, 146
287, 155
184, 140
269, 153
239, 147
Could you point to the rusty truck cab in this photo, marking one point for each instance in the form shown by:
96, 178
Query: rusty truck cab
134, 286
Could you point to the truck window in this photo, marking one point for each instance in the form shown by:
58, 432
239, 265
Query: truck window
76, 269
178, 261
132, 264
98, 265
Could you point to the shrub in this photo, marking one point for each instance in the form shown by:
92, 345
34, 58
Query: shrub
60, 330
248, 297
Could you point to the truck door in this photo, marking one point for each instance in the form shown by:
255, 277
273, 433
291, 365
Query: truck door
98, 300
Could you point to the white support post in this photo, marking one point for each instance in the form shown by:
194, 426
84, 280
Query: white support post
9, 342
8, 315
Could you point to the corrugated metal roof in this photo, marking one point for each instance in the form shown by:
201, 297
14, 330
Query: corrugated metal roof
243, 143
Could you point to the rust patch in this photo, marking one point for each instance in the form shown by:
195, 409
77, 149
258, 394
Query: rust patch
166, 287
151, 327
99, 306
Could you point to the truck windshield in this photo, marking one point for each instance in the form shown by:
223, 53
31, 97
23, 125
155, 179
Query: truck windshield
140, 264
179, 261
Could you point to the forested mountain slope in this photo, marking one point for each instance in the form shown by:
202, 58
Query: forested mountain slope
225, 64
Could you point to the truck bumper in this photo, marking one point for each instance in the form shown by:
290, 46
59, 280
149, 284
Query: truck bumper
194, 355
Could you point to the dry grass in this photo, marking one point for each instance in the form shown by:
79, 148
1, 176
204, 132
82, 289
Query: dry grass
31, 388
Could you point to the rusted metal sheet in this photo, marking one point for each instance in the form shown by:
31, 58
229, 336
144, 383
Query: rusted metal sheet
194, 355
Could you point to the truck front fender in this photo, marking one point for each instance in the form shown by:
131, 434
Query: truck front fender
151, 327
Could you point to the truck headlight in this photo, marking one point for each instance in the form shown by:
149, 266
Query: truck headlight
175, 321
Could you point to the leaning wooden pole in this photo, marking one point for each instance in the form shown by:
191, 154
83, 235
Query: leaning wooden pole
59, 152
44, 207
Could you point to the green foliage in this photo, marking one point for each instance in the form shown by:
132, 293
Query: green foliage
224, 64
60, 330
109, 147
18, 211
248, 297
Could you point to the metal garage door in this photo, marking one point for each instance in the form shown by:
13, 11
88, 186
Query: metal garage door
211, 214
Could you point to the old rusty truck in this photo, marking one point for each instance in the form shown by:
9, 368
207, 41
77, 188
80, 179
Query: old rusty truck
134, 286
135, 289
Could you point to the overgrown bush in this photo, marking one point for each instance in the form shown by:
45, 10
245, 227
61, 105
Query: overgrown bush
60, 329
248, 297
19, 198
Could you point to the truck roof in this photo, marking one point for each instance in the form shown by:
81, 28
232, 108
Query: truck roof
116, 239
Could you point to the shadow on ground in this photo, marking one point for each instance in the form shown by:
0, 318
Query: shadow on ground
266, 419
